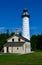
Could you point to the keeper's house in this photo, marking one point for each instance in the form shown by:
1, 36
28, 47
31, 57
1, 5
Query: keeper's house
17, 44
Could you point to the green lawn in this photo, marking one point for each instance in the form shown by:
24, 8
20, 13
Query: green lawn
27, 59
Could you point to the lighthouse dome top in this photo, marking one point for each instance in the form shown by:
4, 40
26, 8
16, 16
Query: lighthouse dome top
25, 13
25, 10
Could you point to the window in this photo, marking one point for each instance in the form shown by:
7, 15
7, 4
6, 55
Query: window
17, 48
12, 40
19, 39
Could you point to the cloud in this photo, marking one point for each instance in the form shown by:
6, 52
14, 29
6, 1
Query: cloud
2, 28
33, 28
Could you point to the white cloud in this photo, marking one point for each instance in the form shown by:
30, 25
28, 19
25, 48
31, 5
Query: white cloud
34, 28
2, 28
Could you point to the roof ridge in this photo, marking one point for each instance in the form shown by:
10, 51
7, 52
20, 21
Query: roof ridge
19, 37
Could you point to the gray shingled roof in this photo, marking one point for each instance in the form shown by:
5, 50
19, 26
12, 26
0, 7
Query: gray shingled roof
16, 44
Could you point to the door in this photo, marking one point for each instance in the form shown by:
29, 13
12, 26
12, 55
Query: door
7, 49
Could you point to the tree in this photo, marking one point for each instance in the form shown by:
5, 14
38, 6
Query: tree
39, 42
33, 42
7, 33
2, 40
20, 34
36, 42
12, 33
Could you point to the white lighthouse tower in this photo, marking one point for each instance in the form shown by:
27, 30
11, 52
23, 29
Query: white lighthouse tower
25, 24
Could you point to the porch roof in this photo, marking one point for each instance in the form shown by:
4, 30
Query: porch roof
15, 44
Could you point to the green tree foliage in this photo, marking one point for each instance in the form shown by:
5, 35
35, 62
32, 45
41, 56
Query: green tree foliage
36, 42
20, 34
33, 42
12, 33
7, 33
39, 42
2, 40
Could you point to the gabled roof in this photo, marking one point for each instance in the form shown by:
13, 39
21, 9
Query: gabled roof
15, 44
21, 37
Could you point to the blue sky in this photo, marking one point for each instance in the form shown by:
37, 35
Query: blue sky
10, 15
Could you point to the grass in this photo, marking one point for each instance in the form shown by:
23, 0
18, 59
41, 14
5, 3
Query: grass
26, 59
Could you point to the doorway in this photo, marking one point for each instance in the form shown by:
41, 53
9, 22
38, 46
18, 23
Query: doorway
7, 49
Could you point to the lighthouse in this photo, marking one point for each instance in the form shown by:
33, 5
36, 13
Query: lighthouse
25, 24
